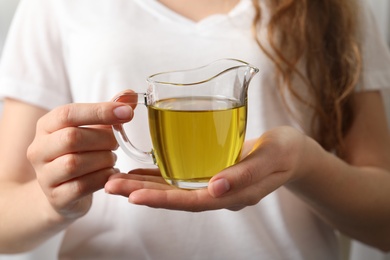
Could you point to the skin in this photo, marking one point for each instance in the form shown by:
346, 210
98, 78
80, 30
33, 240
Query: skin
47, 178
198, 10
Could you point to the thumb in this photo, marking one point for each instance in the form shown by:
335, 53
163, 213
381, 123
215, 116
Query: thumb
234, 177
218, 187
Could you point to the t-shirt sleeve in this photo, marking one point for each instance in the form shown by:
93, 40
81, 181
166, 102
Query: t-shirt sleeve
32, 67
375, 53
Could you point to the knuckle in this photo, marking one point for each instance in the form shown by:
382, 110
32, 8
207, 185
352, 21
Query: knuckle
70, 162
246, 176
100, 113
40, 124
54, 196
77, 188
64, 114
31, 153
58, 199
71, 137
68, 199
63, 196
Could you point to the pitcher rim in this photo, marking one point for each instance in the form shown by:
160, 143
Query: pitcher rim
243, 64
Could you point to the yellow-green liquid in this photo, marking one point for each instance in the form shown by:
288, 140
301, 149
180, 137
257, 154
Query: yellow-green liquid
195, 138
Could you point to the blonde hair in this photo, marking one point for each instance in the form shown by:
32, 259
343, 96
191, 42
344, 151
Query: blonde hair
322, 34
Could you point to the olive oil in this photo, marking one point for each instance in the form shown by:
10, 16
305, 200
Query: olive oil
195, 138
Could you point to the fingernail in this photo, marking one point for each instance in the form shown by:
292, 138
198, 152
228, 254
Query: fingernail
220, 187
123, 112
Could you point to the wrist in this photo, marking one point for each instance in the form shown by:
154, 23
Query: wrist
312, 159
315, 176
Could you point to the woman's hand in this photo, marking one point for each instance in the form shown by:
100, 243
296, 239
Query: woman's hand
276, 158
72, 153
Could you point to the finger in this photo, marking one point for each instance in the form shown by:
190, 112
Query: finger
124, 184
128, 97
248, 181
71, 166
236, 177
177, 199
107, 113
146, 171
140, 177
66, 194
74, 140
240, 176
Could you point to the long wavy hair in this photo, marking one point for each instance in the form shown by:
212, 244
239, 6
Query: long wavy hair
323, 35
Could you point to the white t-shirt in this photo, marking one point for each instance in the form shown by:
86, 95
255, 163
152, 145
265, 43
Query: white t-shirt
88, 50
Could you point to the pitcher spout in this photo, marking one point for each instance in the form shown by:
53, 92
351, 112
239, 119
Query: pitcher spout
244, 71
250, 72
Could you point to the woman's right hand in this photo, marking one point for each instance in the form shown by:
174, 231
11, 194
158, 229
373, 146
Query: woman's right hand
72, 153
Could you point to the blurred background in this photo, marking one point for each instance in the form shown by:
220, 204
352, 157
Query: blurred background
352, 250
7, 9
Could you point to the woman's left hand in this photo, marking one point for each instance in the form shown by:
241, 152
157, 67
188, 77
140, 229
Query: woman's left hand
278, 157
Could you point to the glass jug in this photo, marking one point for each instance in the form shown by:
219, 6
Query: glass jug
197, 121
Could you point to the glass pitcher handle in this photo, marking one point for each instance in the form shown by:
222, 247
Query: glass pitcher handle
121, 136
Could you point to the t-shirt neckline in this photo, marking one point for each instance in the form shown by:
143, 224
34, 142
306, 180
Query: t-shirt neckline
162, 12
